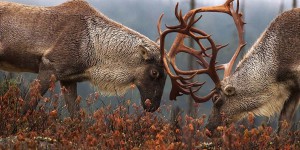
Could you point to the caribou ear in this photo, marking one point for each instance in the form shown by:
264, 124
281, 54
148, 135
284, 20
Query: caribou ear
229, 90
145, 52
157, 41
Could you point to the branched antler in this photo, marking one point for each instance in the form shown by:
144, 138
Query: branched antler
180, 80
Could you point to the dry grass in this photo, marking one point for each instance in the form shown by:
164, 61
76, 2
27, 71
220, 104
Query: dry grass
126, 126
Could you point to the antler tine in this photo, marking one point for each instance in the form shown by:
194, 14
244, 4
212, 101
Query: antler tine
176, 11
195, 53
237, 7
239, 23
188, 85
193, 21
222, 46
159, 23
179, 89
203, 49
218, 46
179, 18
206, 98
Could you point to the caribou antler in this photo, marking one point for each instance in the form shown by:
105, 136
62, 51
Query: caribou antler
181, 79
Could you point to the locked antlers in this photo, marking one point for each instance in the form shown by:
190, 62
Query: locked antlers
181, 80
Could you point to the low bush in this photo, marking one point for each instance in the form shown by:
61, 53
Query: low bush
126, 126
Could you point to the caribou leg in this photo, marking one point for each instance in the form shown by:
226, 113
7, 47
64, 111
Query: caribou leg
288, 111
44, 76
70, 96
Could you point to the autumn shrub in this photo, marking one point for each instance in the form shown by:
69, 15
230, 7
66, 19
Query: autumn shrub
126, 126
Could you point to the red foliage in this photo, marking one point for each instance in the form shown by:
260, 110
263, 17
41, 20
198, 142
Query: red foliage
120, 128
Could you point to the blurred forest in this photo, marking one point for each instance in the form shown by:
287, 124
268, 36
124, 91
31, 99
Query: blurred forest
142, 16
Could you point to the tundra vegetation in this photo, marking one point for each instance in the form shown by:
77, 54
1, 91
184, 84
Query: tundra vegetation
126, 126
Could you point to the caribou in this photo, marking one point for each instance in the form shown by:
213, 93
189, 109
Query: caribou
74, 42
265, 82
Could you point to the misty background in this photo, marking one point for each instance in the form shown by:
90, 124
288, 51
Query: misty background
142, 16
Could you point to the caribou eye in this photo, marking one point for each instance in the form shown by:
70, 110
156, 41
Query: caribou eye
215, 97
154, 73
217, 100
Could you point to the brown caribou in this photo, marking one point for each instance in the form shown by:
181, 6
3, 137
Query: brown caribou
74, 42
